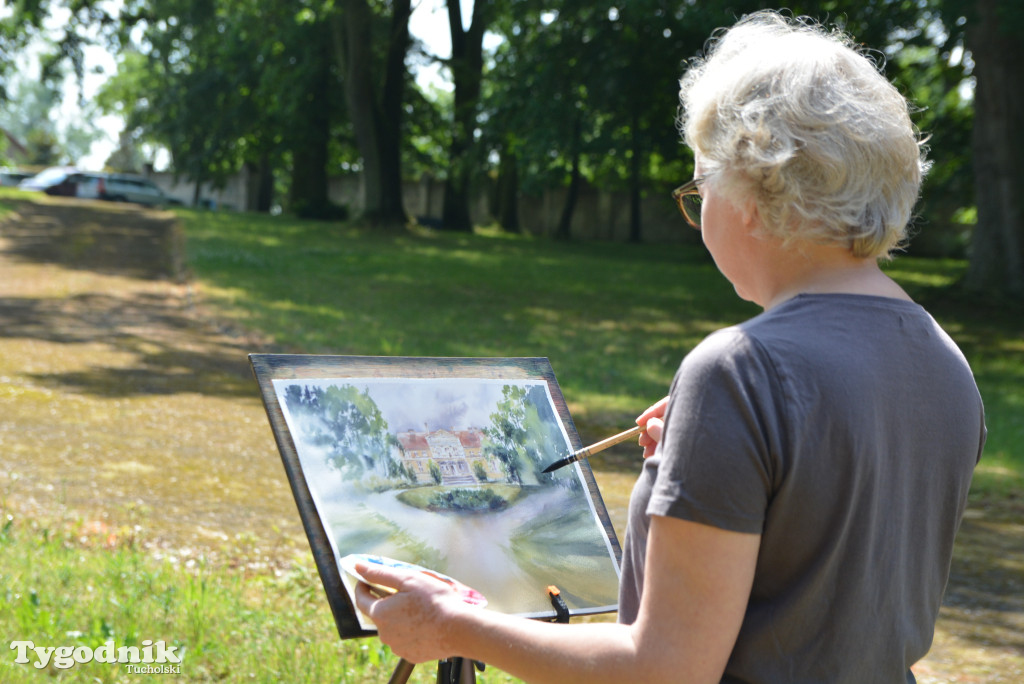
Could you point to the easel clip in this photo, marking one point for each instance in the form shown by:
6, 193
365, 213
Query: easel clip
558, 603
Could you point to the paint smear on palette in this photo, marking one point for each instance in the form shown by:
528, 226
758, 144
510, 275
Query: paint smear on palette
348, 564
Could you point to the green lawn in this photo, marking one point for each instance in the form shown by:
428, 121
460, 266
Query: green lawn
614, 319
81, 586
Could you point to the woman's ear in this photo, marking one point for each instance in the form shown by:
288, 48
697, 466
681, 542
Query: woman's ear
750, 216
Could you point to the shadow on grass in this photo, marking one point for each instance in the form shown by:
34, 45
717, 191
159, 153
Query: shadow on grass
108, 238
984, 602
129, 307
147, 327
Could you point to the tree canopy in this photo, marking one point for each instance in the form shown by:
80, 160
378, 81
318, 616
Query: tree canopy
564, 93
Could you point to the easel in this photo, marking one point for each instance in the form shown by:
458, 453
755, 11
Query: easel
451, 671
462, 671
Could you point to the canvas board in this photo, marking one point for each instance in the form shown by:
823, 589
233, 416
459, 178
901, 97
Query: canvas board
437, 462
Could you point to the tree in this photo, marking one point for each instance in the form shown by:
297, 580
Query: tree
28, 101
994, 33
239, 83
589, 93
127, 158
466, 64
310, 140
185, 84
209, 81
539, 117
647, 90
28, 117
376, 114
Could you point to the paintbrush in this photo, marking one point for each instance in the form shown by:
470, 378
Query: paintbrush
594, 448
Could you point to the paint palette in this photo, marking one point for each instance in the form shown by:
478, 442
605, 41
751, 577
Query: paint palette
348, 564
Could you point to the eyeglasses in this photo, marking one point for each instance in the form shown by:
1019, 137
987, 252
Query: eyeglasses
688, 200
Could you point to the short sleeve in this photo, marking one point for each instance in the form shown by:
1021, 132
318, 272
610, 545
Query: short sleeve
719, 454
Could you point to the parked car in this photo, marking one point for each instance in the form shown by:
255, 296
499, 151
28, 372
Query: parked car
11, 177
56, 180
115, 187
124, 187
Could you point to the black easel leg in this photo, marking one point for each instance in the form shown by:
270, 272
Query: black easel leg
456, 671
451, 671
444, 672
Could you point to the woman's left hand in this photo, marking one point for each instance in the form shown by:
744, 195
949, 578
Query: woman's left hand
414, 620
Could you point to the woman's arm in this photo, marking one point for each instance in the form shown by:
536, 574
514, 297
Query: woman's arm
697, 582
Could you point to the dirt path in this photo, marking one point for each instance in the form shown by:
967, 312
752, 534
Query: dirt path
117, 403
121, 405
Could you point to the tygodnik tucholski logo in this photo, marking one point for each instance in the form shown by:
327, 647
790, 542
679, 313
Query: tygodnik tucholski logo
151, 658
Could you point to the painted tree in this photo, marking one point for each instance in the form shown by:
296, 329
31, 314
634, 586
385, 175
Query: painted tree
349, 424
545, 440
524, 435
507, 432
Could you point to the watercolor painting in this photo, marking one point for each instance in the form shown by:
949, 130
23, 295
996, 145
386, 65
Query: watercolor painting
446, 473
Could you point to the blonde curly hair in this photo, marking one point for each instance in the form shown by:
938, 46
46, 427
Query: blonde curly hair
795, 118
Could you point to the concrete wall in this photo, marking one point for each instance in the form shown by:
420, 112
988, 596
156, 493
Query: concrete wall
599, 215
233, 196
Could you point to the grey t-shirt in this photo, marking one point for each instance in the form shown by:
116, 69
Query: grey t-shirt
843, 429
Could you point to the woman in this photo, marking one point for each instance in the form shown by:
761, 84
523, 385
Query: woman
809, 468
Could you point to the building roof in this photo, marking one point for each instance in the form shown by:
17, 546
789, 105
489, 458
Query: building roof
417, 441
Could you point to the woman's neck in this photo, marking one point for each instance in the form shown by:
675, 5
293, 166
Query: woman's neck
821, 269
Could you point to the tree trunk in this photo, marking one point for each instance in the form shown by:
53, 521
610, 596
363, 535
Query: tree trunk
997, 244
635, 183
507, 205
377, 123
392, 209
264, 186
564, 231
467, 73
307, 196
259, 185
197, 192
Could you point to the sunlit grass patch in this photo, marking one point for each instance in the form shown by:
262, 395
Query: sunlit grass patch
80, 584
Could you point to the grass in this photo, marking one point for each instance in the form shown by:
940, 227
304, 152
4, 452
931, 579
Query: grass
614, 319
79, 584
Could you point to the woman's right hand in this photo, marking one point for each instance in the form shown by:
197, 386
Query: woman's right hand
652, 421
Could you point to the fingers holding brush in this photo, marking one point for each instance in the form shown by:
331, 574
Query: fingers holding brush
653, 422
